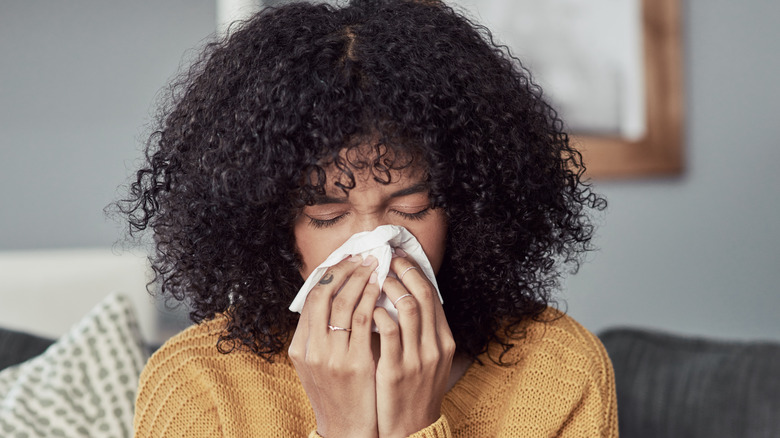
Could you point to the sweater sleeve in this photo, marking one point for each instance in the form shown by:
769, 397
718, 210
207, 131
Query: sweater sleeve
439, 429
596, 413
561, 385
172, 403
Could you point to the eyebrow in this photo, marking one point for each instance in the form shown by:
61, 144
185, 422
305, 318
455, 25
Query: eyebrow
411, 190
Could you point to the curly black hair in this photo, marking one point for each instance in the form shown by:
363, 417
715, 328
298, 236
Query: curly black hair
244, 139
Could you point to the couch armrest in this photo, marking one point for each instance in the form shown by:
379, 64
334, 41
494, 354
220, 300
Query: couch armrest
17, 347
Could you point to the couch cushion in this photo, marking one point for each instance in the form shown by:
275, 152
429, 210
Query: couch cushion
673, 386
82, 385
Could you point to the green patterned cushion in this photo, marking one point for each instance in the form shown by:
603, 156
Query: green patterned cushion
83, 385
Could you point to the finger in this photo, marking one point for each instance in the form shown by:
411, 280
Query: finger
297, 351
415, 281
319, 299
408, 313
302, 327
413, 278
363, 317
389, 336
344, 303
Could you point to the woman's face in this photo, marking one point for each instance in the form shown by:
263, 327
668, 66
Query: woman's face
321, 228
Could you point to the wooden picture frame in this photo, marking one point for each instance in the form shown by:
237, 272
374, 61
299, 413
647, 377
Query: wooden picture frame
660, 151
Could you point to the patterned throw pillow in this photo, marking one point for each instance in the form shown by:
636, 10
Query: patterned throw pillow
83, 385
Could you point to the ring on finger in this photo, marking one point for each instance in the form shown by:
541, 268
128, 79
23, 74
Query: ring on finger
335, 328
401, 277
401, 298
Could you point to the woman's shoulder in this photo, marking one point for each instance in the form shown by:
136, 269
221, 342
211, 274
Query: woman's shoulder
188, 380
171, 378
556, 380
182, 357
192, 359
549, 353
196, 348
555, 340
196, 340
555, 330
185, 352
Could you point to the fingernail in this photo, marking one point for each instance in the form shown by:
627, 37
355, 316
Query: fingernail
372, 279
355, 259
400, 253
369, 260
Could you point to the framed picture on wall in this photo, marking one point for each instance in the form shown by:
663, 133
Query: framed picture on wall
612, 68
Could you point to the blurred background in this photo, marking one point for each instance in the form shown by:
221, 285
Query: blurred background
697, 253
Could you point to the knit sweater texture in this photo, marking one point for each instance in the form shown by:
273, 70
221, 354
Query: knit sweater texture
560, 384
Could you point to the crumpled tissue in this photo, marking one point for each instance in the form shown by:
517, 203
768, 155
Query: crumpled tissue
380, 243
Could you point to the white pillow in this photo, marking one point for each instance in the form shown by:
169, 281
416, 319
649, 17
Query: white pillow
82, 385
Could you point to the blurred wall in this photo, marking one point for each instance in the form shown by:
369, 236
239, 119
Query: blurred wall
77, 83
700, 254
695, 254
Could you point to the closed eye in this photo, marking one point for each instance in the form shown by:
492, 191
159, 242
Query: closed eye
414, 216
325, 223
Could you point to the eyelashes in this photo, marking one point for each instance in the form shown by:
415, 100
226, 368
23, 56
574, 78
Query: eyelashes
325, 223
414, 216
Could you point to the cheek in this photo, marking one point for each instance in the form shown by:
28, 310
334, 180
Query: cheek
432, 236
315, 244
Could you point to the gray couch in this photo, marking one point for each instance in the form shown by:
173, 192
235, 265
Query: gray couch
675, 386
16, 347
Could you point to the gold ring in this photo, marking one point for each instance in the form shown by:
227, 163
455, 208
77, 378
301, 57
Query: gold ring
401, 277
401, 298
334, 328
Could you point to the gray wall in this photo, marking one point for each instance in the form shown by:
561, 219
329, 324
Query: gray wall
77, 80
696, 254
701, 254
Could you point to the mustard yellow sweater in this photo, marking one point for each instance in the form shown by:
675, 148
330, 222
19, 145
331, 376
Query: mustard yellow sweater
561, 385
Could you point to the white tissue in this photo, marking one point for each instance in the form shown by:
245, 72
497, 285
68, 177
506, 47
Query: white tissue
378, 243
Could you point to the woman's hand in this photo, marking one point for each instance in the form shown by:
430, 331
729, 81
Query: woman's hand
336, 366
416, 354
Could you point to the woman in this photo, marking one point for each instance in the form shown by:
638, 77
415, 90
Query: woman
312, 123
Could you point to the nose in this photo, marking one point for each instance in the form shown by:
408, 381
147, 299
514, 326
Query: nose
368, 222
